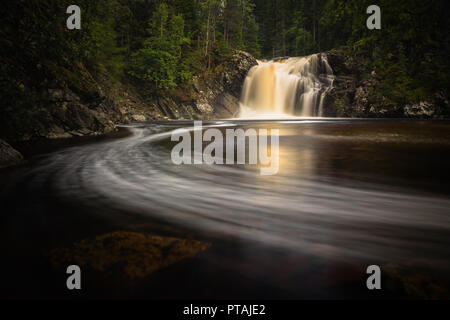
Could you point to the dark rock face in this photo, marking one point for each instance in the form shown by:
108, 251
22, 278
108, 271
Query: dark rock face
68, 116
65, 110
88, 106
357, 95
216, 96
8, 155
219, 97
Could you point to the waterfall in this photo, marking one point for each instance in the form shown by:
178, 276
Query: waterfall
294, 86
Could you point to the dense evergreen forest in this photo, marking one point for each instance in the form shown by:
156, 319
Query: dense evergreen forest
409, 54
159, 45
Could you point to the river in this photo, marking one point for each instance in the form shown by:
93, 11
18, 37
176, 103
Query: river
348, 194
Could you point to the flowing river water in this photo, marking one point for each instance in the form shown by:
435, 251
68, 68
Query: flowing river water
348, 194
294, 86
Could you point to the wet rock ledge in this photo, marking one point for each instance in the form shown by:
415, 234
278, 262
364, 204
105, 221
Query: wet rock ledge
8, 155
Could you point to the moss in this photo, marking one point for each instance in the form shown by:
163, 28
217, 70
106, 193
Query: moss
135, 255
415, 283
78, 80
341, 106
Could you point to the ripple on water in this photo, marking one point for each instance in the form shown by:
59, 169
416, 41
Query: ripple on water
308, 213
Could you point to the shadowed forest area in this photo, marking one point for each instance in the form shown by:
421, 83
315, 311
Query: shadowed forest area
160, 45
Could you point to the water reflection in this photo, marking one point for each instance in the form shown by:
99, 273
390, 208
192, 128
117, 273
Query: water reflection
342, 191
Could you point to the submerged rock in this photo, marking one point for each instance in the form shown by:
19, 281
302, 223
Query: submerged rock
415, 282
128, 254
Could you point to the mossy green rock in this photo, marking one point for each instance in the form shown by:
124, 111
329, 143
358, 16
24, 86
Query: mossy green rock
133, 255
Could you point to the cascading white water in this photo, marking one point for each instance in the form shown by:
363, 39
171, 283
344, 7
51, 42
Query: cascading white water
295, 86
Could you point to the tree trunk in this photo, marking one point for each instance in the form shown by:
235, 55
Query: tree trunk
283, 26
314, 22
207, 32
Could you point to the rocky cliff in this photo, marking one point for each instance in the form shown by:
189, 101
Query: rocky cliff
78, 103
215, 95
359, 92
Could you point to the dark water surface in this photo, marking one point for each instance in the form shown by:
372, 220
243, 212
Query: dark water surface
349, 193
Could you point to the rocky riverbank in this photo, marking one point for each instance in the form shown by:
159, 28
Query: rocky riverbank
81, 104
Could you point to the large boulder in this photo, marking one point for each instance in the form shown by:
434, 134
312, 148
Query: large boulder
127, 255
8, 155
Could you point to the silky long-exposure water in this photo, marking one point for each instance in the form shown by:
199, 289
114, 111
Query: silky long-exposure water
352, 192
295, 86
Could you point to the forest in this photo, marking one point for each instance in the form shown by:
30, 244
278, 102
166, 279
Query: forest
159, 45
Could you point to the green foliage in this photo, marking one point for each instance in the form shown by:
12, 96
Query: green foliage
409, 54
159, 63
157, 67
161, 44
